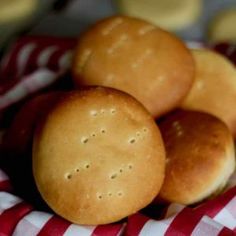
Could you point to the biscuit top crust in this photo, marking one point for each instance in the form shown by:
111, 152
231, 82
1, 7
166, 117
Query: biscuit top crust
100, 151
199, 156
137, 57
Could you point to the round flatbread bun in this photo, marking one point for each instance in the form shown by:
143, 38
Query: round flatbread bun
169, 14
137, 57
98, 156
214, 88
200, 156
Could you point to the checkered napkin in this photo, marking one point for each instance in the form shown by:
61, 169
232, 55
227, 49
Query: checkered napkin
36, 62
19, 218
33, 63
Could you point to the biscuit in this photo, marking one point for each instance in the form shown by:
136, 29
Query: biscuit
18, 138
222, 27
98, 156
136, 57
16, 9
169, 14
214, 88
200, 156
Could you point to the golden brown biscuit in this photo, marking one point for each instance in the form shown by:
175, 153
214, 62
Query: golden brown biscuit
18, 138
98, 156
136, 57
214, 89
199, 156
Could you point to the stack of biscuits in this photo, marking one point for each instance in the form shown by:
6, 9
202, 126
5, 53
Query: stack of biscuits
148, 121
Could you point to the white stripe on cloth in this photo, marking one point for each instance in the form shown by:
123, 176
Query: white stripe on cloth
227, 216
45, 55
3, 176
31, 224
41, 78
23, 56
66, 60
173, 209
121, 232
75, 230
156, 228
231, 182
207, 226
7, 201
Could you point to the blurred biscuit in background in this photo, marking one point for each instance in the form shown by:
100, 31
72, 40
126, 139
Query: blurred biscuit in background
18, 138
222, 27
214, 88
13, 10
168, 14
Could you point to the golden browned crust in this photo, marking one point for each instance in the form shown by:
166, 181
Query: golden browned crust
98, 156
214, 89
137, 57
199, 156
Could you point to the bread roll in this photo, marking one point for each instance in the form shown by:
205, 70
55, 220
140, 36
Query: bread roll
169, 14
14, 10
18, 139
98, 156
200, 156
135, 56
222, 27
214, 88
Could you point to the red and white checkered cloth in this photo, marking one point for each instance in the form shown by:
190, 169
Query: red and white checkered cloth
36, 62
20, 219
213, 218
31, 64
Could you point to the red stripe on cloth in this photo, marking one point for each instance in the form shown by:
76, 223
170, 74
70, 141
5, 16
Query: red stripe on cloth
135, 224
53, 62
183, 223
226, 232
55, 226
47, 41
212, 207
5, 186
10, 217
6, 85
9, 72
107, 230
31, 65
